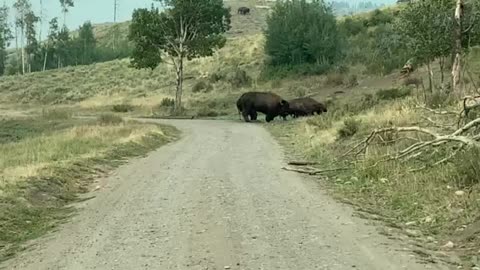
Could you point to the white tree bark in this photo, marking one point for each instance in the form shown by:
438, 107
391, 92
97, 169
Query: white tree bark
457, 63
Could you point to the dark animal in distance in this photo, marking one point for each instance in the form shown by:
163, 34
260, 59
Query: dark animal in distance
303, 107
243, 10
268, 103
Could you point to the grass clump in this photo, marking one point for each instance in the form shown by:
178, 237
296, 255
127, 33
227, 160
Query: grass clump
350, 127
109, 119
167, 102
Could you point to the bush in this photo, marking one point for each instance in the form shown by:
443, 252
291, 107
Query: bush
393, 93
350, 128
109, 119
167, 102
201, 85
280, 72
301, 32
122, 108
352, 27
334, 79
239, 78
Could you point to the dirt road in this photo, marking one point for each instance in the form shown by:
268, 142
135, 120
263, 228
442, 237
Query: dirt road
216, 199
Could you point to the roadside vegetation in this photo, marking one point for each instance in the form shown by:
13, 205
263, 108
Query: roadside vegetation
48, 160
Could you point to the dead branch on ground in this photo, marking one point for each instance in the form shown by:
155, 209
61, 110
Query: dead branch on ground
302, 163
420, 148
313, 171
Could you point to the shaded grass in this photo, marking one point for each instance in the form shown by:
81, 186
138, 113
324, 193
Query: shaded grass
41, 175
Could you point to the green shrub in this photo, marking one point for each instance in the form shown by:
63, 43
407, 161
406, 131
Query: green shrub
122, 108
109, 119
280, 72
350, 127
167, 102
393, 93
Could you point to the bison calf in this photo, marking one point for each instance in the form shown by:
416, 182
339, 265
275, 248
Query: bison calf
268, 103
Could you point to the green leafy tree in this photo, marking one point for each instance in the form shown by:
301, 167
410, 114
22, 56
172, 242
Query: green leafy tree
49, 49
426, 26
300, 32
85, 44
186, 29
5, 37
63, 48
66, 5
388, 50
32, 46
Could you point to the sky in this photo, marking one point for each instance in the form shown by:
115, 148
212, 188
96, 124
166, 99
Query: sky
96, 11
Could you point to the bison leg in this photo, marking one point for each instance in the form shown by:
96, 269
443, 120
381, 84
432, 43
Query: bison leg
269, 118
245, 116
253, 115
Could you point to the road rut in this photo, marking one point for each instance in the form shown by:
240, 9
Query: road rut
215, 199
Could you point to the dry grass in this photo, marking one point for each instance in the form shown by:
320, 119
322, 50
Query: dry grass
27, 157
48, 160
426, 200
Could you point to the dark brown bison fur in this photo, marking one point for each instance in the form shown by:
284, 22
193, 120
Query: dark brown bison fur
303, 107
268, 103
243, 10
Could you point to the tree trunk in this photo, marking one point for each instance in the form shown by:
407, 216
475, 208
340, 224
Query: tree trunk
430, 77
457, 63
442, 69
45, 60
23, 51
178, 93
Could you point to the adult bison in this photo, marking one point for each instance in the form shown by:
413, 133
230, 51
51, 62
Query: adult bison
268, 103
243, 10
303, 107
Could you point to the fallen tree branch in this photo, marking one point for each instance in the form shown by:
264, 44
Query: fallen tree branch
302, 163
314, 171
